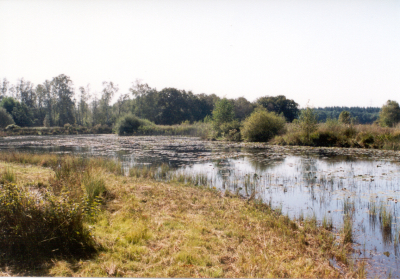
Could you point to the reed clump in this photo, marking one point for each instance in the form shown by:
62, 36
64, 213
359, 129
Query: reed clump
8, 175
41, 225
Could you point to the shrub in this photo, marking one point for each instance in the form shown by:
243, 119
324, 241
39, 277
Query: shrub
12, 127
262, 125
230, 130
129, 124
5, 118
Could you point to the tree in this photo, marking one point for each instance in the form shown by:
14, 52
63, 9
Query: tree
345, 117
61, 87
262, 125
280, 104
389, 115
83, 106
223, 112
109, 90
4, 88
26, 94
5, 118
8, 103
308, 121
22, 115
139, 90
243, 108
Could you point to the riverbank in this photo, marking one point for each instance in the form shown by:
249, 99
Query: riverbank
149, 228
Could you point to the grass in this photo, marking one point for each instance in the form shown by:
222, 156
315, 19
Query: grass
150, 228
8, 175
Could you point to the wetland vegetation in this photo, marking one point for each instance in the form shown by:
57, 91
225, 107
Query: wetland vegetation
350, 194
139, 225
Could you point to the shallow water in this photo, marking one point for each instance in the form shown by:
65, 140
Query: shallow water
325, 183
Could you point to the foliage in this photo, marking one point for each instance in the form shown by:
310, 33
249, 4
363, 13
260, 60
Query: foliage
361, 115
390, 114
242, 108
262, 125
129, 124
223, 113
345, 117
280, 104
61, 87
5, 118
230, 130
8, 103
308, 122
22, 115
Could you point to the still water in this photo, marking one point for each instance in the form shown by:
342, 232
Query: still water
301, 182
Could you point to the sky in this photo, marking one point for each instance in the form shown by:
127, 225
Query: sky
318, 53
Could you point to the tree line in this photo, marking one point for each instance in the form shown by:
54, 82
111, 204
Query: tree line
57, 102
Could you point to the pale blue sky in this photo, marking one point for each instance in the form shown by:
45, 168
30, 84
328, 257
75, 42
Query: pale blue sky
343, 53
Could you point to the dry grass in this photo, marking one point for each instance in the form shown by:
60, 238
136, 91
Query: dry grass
155, 229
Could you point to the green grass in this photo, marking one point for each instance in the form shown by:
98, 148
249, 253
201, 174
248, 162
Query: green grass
8, 175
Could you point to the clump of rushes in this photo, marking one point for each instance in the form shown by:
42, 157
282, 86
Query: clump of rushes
94, 184
347, 229
385, 218
33, 226
327, 223
8, 175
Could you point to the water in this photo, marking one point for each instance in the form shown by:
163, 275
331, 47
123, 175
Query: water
325, 183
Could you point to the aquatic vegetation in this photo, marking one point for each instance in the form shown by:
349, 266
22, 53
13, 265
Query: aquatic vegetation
348, 207
327, 223
150, 229
385, 220
347, 230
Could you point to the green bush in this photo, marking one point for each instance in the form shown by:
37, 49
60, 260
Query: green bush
5, 118
262, 125
130, 124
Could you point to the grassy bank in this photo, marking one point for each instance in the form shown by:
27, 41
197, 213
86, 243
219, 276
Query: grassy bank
136, 226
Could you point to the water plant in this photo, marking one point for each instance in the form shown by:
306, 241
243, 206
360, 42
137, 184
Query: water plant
347, 230
327, 223
385, 220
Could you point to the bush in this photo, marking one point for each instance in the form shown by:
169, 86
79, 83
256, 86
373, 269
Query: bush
130, 124
230, 130
262, 125
5, 118
12, 127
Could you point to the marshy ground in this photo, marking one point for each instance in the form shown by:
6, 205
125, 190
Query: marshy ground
149, 228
